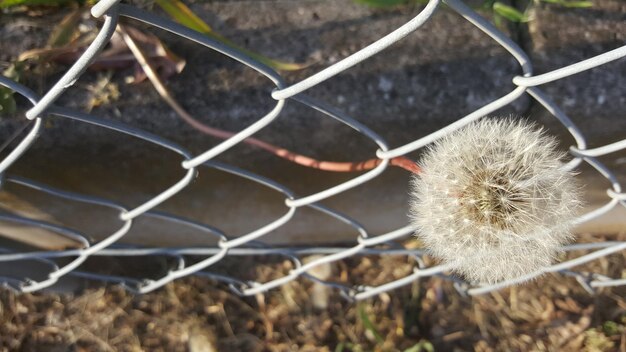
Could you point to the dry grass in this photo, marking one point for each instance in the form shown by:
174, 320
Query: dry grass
194, 314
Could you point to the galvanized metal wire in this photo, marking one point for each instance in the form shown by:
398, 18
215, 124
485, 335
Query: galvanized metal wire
68, 262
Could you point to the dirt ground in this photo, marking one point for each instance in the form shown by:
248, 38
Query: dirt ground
553, 313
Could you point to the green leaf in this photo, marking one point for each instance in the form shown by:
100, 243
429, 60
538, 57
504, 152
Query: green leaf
422, 346
367, 323
611, 328
497, 20
183, 15
7, 100
10, 3
510, 13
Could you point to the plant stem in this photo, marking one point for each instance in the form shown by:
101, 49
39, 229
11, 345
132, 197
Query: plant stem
299, 159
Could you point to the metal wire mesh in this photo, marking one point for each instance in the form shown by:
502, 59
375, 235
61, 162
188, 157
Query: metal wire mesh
250, 244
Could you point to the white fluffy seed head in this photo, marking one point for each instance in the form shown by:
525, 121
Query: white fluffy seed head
494, 201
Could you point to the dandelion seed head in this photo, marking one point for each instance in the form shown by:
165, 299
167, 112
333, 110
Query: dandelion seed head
510, 208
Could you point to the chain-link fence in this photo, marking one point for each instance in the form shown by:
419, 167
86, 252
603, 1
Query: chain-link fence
68, 262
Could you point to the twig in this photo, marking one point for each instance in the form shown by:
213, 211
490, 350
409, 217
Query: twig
303, 160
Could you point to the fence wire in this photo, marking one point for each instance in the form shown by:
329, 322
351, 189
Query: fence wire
250, 244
